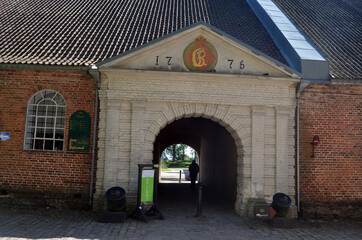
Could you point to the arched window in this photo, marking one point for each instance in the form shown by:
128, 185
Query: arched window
45, 122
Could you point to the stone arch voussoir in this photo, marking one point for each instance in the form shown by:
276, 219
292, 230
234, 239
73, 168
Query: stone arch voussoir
216, 113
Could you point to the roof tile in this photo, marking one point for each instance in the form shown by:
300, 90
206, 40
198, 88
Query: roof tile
334, 26
83, 32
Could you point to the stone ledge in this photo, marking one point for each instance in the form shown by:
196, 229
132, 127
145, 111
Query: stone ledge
332, 210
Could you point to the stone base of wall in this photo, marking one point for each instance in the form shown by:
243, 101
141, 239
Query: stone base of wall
332, 210
47, 199
100, 203
249, 209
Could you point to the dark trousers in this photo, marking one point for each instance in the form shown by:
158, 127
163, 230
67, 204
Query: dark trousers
193, 180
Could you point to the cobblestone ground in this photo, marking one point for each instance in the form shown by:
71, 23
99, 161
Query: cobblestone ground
36, 223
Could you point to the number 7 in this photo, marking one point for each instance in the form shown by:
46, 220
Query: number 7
231, 63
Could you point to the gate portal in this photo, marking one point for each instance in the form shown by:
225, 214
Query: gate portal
240, 118
215, 147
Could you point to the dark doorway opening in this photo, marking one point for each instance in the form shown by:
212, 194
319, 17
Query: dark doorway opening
217, 153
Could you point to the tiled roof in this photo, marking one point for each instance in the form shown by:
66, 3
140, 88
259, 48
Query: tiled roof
335, 27
83, 32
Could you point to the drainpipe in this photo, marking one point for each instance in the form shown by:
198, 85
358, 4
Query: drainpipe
301, 86
95, 74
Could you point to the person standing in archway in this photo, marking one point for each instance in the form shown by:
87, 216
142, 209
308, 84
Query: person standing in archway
194, 170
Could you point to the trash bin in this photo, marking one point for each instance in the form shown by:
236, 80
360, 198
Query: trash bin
281, 203
116, 199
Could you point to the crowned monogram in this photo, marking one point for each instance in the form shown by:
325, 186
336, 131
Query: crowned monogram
200, 55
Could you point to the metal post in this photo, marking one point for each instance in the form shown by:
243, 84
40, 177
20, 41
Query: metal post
96, 76
301, 86
179, 180
199, 201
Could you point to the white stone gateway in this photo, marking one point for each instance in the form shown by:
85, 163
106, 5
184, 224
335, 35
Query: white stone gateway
248, 93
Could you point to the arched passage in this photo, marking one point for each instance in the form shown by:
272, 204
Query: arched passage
215, 147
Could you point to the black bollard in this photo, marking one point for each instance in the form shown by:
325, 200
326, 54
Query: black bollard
199, 201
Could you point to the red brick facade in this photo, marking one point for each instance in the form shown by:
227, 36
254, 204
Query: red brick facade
59, 179
331, 182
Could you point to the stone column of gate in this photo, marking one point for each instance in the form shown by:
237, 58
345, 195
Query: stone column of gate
257, 152
282, 163
137, 146
111, 145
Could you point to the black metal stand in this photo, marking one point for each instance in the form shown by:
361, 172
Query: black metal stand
199, 201
153, 212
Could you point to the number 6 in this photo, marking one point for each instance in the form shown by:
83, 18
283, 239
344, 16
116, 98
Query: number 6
242, 66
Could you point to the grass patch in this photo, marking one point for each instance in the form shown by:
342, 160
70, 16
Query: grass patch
179, 164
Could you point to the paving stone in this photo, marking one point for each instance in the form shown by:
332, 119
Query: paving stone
24, 224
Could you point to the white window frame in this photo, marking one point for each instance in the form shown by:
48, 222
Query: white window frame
45, 122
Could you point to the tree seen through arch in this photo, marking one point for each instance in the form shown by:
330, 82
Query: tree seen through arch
177, 158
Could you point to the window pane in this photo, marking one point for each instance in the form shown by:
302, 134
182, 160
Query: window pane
30, 133
59, 134
41, 122
58, 145
60, 122
59, 100
29, 144
32, 110
31, 121
61, 111
49, 133
50, 122
51, 111
49, 94
37, 98
41, 110
47, 102
48, 145
39, 144
39, 133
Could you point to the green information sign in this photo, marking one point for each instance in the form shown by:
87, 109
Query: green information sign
147, 193
79, 132
147, 185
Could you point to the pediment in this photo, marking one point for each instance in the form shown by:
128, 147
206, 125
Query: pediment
199, 48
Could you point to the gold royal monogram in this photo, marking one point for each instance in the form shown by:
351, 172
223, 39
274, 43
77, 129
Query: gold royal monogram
200, 55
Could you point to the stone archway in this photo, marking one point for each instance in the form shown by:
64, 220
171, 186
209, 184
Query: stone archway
216, 150
258, 114
256, 106
221, 115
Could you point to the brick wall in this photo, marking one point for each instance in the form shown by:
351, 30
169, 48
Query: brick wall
59, 179
331, 181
